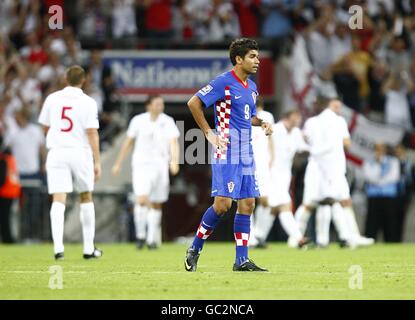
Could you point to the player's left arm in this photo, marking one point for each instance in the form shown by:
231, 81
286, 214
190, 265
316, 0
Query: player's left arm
92, 126
93, 139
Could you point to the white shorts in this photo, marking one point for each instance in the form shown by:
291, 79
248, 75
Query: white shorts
280, 189
335, 187
67, 168
318, 187
151, 180
263, 177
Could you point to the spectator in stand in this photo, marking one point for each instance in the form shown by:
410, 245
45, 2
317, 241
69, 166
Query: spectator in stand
123, 19
51, 71
158, 19
6, 17
377, 75
32, 19
30, 159
398, 58
275, 19
248, 12
92, 20
74, 54
405, 186
396, 89
382, 176
33, 51
28, 88
200, 12
319, 40
353, 67
224, 23
341, 42
102, 79
9, 191
182, 21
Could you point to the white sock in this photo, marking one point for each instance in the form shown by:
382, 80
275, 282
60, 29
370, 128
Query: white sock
153, 225
263, 222
302, 215
323, 218
351, 222
158, 236
290, 225
57, 220
88, 226
340, 222
140, 221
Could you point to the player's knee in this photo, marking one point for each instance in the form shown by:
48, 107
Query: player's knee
327, 202
142, 201
59, 197
85, 197
263, 201
247, 206
221, 208
346, 203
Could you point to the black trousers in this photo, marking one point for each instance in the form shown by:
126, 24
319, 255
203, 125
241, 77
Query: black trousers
382, 215
5, 227
402, 205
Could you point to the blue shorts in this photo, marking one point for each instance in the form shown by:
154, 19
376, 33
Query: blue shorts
236, 181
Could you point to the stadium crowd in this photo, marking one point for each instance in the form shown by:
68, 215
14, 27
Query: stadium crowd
373, 69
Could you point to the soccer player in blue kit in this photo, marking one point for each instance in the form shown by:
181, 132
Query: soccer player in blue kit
233, 95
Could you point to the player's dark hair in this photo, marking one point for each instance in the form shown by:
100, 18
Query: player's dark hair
240, 47
289, 112
150, 99
75, 75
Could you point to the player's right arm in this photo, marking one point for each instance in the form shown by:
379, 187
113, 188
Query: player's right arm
196, 108
44, 116
132, 132
125, 150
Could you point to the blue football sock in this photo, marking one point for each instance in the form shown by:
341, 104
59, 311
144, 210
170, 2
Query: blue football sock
209, 221
242, 228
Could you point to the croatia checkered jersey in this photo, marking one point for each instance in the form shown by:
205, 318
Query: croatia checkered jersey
234, 103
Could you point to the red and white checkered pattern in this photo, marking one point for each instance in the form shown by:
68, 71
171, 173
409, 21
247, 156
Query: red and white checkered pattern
223, 115
241, 238
203, 233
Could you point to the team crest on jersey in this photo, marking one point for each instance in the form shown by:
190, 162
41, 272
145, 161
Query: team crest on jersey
205, 90
254, 97
231, 186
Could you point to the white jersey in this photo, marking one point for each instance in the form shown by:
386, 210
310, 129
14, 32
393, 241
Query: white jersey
152, 138
325, 134
260, 141
286, 145
68, 113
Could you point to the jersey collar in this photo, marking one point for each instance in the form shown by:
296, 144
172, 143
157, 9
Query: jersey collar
239, 80
73, 89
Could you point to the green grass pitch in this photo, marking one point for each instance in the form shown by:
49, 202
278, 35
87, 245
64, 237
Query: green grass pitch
388, 272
